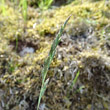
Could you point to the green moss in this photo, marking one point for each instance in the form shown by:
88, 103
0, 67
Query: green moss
23, 75
88, 10
10, 26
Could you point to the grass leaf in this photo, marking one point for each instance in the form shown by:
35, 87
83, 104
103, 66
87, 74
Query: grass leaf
75, 79
49, 60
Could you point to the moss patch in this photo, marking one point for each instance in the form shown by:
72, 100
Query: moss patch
84, 47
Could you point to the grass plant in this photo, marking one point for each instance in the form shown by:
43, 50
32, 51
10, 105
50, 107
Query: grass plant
75, 79
24, 5
44, 4
80, 89
73, 83
16, 43
49, 60
3, 7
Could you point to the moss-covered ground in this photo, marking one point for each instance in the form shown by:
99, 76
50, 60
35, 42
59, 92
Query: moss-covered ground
84, 47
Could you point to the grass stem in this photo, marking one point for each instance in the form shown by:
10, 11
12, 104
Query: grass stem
49, 60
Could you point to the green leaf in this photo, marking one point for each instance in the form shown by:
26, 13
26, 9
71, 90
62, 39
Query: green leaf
49, 60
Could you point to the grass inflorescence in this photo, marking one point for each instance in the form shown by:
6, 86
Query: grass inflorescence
49, 60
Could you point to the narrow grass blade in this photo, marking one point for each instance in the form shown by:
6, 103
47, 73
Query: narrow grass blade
24, 5
3, 7
52, 51
25, 9
42, 92
78, 90
44, 4
49, 60
75, 79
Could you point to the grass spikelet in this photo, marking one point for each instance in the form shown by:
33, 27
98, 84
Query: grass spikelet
49, 60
